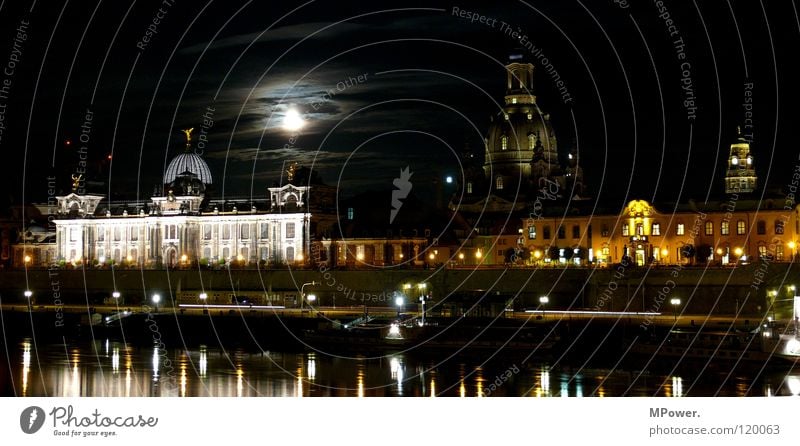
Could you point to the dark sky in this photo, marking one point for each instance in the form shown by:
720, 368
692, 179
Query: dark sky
432, 80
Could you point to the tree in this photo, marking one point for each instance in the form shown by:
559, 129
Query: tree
554, 253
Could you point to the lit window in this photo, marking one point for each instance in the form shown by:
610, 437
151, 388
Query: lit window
656, 229
680, 229
504, 143
513, 100
469, 187
350, 213
709, 228
749, 160
735, 161
499, 183
531, 141
530, 116
740, 228
639, 229
532, 232
762, 251
725, 228
625, 230
778, 252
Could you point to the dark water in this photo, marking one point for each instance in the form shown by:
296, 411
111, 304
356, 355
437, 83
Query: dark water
109, 368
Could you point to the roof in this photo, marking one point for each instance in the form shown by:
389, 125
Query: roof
188, 162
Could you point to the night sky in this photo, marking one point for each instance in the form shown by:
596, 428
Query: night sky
430, 80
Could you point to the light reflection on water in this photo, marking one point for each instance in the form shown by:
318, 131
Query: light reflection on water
109, 368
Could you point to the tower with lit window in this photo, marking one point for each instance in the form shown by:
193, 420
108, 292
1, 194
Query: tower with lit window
741, 174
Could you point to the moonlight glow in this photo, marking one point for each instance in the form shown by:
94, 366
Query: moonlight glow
293, 121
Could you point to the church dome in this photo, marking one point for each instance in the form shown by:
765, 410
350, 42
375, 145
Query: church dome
187, 162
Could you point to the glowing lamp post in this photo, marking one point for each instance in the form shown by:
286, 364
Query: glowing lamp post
303, 296
543, 301
675, 303
156, 299
399, 301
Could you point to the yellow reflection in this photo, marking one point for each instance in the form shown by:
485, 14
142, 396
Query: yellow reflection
128, 382
183, 379
26, 366
239, 382
433, 388
76, 378
479, 382
360, 381
462, 391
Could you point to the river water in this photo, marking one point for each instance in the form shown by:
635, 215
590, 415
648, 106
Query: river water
110, 368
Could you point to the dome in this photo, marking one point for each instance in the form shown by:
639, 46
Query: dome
187, 162
514, 137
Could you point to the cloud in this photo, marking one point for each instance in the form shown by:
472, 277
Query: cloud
289, 32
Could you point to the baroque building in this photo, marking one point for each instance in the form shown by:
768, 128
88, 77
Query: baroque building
180, 225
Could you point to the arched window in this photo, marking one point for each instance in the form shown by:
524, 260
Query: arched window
531, 141
290, 254
499, 183
740, 228
709, 228
504, 143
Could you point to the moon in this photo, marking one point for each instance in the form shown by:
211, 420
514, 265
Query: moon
292, 121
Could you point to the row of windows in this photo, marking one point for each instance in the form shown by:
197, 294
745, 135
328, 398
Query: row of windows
244, 231
171, 232
531, 141
562, 232
708, 228
655, 229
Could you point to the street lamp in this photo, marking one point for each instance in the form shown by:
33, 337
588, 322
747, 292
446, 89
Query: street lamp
303, 294
156, 300
28, 293
543, 302
675, 302
399, 301
115, 294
